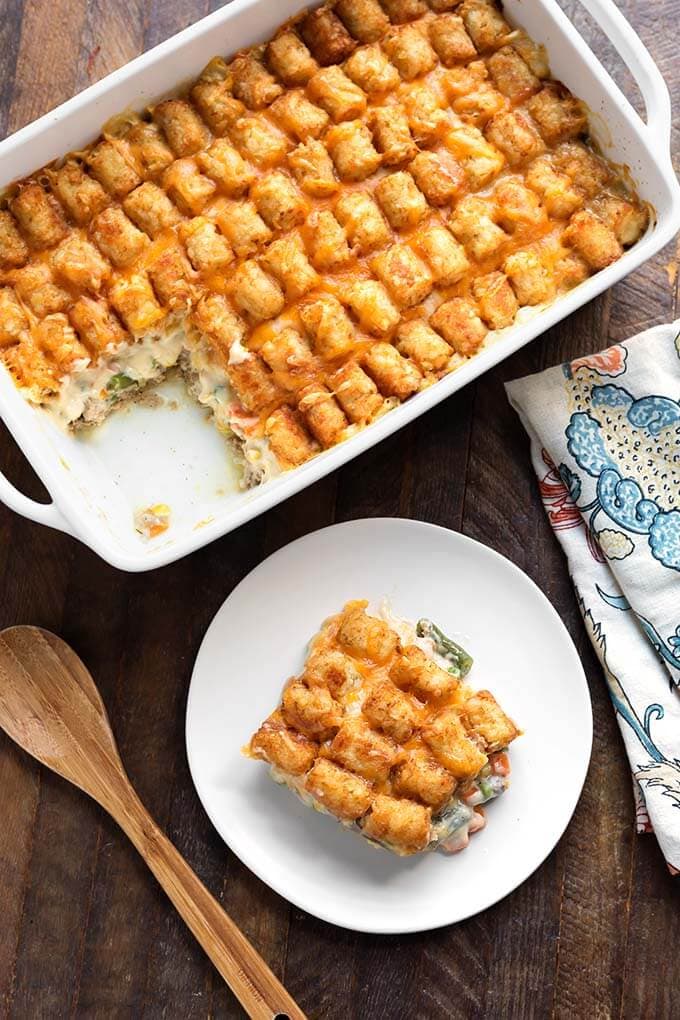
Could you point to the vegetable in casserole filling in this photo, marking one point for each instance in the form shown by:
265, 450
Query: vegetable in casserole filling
382, 731
315, 230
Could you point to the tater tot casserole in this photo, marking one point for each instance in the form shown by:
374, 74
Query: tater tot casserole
315, 230
381, 731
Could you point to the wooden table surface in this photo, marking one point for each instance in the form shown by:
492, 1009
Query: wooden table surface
84, 931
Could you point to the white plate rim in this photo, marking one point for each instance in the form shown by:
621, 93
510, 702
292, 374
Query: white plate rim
315, 909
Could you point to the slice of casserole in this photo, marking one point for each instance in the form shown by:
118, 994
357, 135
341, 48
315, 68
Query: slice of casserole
313, 231
382, 731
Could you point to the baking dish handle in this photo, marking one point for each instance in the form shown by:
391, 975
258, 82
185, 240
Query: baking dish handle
42, 513
634, 54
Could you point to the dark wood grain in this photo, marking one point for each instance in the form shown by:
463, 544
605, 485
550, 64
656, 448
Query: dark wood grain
84, 933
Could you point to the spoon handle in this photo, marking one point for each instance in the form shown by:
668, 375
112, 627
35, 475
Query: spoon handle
258, 990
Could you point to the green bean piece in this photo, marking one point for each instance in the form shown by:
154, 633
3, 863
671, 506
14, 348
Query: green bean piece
445, 646
119, 382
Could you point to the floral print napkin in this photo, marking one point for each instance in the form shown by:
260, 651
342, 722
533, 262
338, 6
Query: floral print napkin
605, 444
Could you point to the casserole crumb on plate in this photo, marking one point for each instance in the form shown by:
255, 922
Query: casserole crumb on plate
315, 230
382, 731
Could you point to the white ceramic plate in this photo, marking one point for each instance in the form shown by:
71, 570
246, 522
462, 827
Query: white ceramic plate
522, 653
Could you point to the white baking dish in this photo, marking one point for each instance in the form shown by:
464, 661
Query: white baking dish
172, 456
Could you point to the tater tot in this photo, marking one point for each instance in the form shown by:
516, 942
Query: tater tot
81, 196
402, 825
515, 136
37, 289
30, 368
394, 375
351, 148
253, 383
170, 275
285, 748
364, 636
593, 240
511, 75
558, 115
472, 224
252, 83
401, 200
328, 325
323, 415
337, 94
445, 256
418, 341
225, 165
96, 325
185, 131
372, 306
400, 11
447, 738
427, 119
485, 24
369, 68
187, 186
516, 205
207, 249
439, 179
363, 751
389, 710
216, 105
496, 300
480, 160
13, 319
134, 300
150, 209
328, 242
405, 275
311, 710
484, 715
627, 219
117, 237
258, 140
326, 36
289, 357
392, 135
152, 154
356, 393
365, 226
290, 59
588, 172
363, 19
114, 165
278, 200
451, 42
242, 225
299, 117
556, 191
288, 438
341, 792
13, 248
332, 669
415, 671
530, 280
421, 778
287, 260
216, 321
79, 263
313, 169
410, 51
57, 338
459, 323
255, 293
39, 216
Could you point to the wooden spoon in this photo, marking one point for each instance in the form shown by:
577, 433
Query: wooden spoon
50, 706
